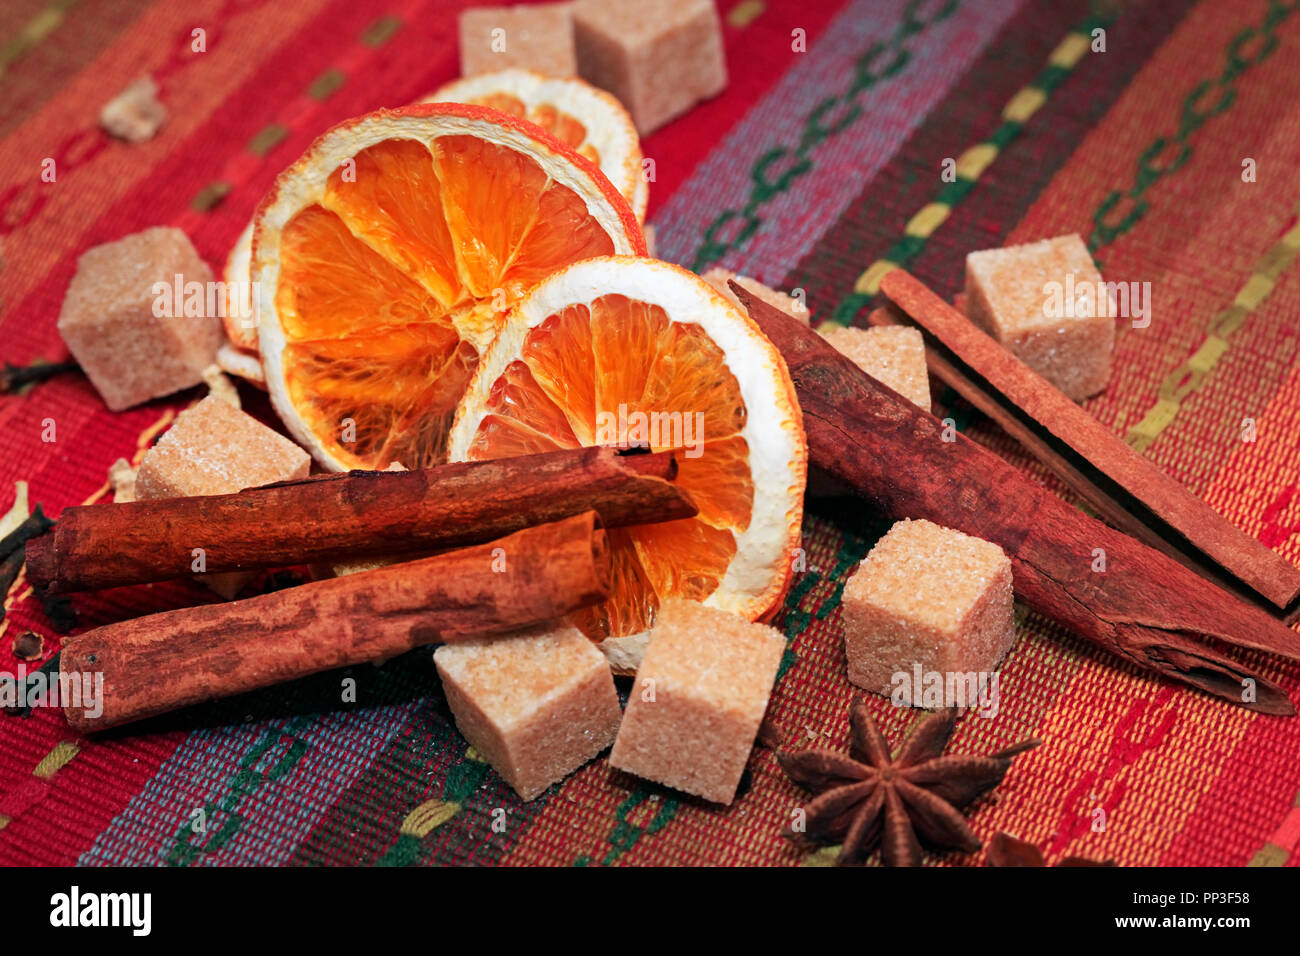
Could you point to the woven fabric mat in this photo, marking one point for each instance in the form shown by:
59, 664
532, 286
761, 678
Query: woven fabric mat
812, 169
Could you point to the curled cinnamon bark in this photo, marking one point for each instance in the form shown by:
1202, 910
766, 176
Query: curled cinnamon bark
161, 662
1144, 607
351, 516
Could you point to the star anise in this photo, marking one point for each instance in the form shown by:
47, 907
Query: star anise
1006, 850
867, 798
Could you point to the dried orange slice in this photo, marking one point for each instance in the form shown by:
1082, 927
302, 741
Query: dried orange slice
579, 115
600, 352
591, 121
238, 354
387, 257
240, 320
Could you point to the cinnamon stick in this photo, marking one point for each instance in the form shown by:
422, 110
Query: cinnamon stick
1144, 607
165, 661
1125, 488
350, 516
1114, 504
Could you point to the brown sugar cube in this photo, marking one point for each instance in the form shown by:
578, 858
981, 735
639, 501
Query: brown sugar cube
215, 449
109, 324
135, 114
535, 37
536, 705
927, 598
659, 57
791, 306
698, 700
1045, 302
892, 355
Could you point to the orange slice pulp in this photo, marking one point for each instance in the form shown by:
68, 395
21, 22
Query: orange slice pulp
388, 257
624, 351
589, 120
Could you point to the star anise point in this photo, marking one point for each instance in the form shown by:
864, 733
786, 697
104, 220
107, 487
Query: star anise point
898, 802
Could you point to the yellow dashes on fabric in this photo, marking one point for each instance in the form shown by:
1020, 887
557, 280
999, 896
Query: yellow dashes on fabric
972, 163
1188, 377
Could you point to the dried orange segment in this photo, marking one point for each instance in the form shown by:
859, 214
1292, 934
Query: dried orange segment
517, 396
590, 121
719, 481
392, 219
333, 285
559, 353
479, 182
420, 432
685, 558
504, 102
567, 129
346, 368
625, 340
388, 257
628, 342
390, 198
562, 229
368, 420
690, 377
632, 601
502, 437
